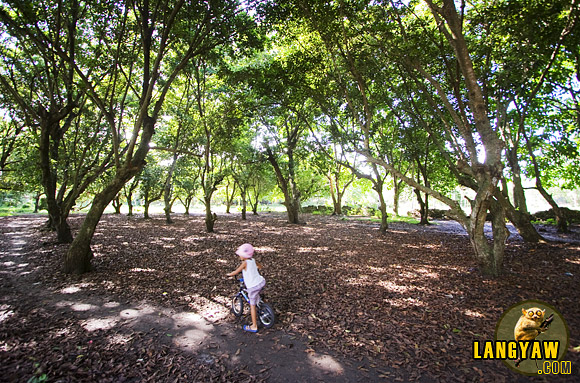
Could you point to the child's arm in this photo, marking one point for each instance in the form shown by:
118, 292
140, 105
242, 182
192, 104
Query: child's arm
259, 265
238, 270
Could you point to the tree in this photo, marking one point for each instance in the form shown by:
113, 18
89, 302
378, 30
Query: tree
41, 41
167, 36
330, 160
128, 191
151, 184
286, 130
173, 137
246, 163
186, 182
262, 181
351, 36
219, 125
522, 50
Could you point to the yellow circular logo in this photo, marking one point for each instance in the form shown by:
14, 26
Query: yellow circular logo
533, 337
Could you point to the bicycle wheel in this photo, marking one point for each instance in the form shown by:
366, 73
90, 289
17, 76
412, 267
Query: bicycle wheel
238, 305
266, 315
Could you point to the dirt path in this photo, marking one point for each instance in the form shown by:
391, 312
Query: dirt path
76, 333
352, 305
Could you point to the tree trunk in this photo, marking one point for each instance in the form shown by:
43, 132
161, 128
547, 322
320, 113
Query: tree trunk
521, 220
129, 198
384, 215
293, 210
187, 205
57, 217
423, 208
78, 257
382, 207
243, 193
288, 187
117, 204
228, 202
397, 189
37, 202
336, 195
167, 191
230, 198
210, 217
295, 205
254, 203
167, 207
518, 189
146, 209
489, 258
128, 191
337, 205
561, 219
64, 234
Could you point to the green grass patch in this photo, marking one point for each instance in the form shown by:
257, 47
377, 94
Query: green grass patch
390, 219
404, 219
6, 211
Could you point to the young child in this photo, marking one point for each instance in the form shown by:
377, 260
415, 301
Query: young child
253, 280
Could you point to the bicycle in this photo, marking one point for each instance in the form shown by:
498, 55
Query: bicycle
265, 312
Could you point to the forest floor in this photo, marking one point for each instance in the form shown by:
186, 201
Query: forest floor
351, 304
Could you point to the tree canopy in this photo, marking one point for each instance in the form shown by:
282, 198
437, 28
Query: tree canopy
177, 99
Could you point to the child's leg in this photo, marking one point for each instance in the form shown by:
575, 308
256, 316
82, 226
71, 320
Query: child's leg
254, 295
254, 314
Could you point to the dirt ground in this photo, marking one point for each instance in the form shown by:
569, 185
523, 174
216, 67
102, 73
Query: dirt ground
352, 305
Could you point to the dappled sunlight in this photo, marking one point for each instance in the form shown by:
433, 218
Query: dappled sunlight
375, 269
427, 273
392, 286
94, 324
194, 330
193, 239
360, 280
73, 289
223, 300
312, 249
118, 339
325, 363
402, 232
419, 246
140, 270
76, 306
474, 314
83, 307
264, 249
5, 312
210, 309
185, 319
70, 290
405, 302
574, 261
134, 313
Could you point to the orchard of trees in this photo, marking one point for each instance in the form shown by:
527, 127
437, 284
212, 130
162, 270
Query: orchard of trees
112, 100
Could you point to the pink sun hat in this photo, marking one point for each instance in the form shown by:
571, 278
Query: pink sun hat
245, 251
